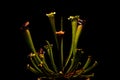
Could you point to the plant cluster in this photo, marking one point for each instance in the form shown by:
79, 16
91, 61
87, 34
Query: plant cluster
43, 64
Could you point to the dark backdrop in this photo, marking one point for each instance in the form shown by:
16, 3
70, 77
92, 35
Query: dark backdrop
98, 37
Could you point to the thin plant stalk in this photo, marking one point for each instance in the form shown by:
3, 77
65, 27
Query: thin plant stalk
91, 67
51, 56
74, 26
30, 43
77, 34
36, 66
32, 69
46, 66
87, 62
51, 17
61, 44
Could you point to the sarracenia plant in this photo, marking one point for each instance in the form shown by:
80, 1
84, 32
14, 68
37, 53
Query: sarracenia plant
68, 68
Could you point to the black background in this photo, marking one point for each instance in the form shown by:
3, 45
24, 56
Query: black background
99, 37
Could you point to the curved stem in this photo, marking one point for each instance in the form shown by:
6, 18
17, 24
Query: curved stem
77, 34
74, 25
51, 56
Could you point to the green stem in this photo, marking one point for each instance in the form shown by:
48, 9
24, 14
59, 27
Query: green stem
51, 17
61, 52
91, 67
61, 23
84, 70
36, 66
31, 45
46, 66
70, 66
41, 68
29, 40
77, 60
32, 69
36, 57
51, 56
77, 35
61, 44
87, 76
74, 26
79, 73
75, 66
79, 28
87, 62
